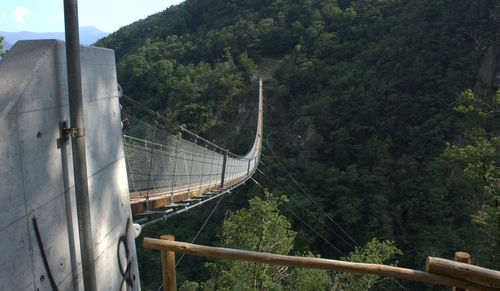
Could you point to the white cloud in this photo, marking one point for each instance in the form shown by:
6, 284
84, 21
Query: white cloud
19, 14
60, 16
3, 14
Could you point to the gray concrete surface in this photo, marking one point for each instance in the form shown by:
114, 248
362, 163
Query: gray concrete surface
36, 176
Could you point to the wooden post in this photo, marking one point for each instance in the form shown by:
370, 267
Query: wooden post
168, 267
462, 257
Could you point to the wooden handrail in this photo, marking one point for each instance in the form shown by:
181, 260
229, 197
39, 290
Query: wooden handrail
314, 263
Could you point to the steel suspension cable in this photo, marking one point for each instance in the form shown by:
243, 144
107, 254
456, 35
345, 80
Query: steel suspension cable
284, 168
198, 233
305, 223
305, 192
202, 227
258, 184
320, 209
301, 206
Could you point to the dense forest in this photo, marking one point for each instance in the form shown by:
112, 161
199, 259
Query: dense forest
367, 119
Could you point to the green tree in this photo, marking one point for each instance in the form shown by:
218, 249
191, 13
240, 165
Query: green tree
261, 228
375, 252
2, 53
307, 279
480, 157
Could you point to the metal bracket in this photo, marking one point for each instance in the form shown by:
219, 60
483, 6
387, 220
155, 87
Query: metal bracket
65, 133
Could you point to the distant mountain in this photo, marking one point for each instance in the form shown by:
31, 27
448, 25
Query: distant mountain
88, 36
6, 45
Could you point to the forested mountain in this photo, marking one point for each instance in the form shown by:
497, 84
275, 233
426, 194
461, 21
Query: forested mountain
359, 108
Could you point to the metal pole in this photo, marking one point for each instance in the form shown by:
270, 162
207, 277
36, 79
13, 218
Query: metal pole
78, 142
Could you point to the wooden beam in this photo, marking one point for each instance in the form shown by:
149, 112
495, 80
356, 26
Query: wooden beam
163, 199
462, 270
159, 198
315, 263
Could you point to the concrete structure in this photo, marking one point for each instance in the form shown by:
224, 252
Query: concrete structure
36, 172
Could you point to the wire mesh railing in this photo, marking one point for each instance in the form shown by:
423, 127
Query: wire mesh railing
159, 160
168, 164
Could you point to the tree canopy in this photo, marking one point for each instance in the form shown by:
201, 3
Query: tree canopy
479, 155
2, 52
262, 228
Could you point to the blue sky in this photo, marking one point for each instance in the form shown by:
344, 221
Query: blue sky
48, 16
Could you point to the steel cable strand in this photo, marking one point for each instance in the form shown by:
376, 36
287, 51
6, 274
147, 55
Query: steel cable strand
198, 233
305, 223
392, 279
304, 208
274, 156
305, 192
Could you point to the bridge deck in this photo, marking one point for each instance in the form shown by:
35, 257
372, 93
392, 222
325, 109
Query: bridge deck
159, 198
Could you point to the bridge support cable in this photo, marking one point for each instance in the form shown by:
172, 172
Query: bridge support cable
296, 202
171, 169
202, 226
305, 209
309, 196
306, 224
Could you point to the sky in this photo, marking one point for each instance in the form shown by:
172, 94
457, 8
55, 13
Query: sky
48, 16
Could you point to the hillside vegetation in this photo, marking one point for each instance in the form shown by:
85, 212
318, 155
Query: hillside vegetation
358, 110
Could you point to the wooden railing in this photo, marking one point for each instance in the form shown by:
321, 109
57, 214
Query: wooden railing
438, 271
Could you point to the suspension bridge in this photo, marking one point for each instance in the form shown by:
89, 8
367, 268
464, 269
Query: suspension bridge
171, 169
154, 169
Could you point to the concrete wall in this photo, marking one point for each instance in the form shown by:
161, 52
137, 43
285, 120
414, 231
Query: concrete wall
36, 176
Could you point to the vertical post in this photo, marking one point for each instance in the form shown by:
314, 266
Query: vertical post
213, 176
78, 142
150, 179
168, 267
190, 175
223, 176
203, 170
462, 257
174, 184
248, 169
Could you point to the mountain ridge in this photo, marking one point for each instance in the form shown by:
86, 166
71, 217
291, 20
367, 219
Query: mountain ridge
88, 35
